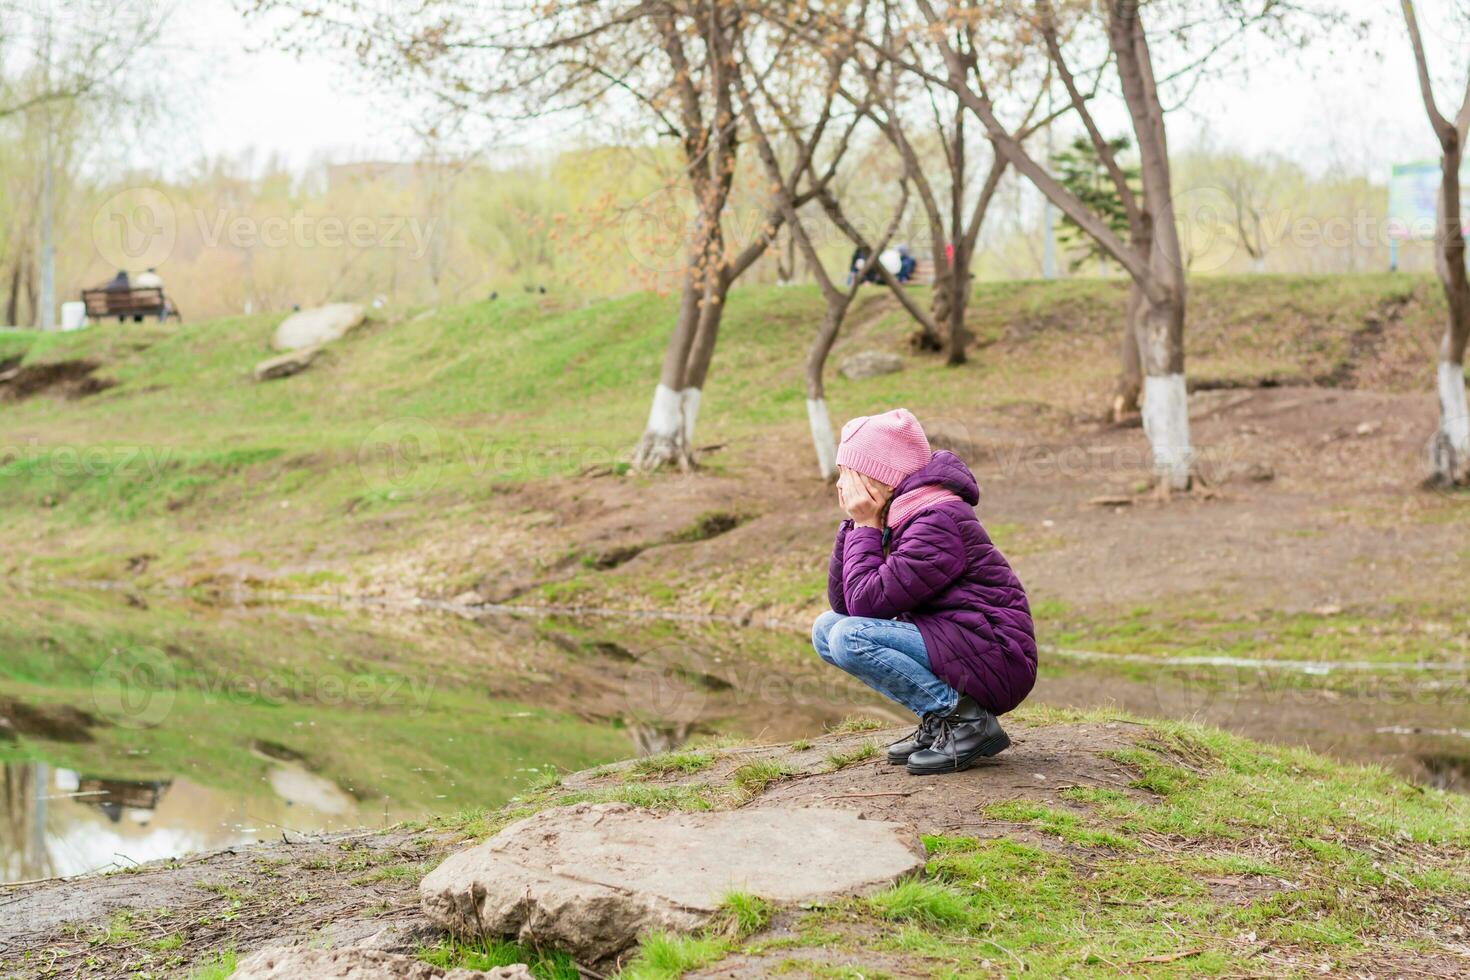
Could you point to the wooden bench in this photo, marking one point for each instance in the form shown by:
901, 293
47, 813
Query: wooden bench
136, 302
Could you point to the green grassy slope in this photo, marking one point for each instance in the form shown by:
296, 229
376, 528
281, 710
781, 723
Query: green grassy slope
187, 456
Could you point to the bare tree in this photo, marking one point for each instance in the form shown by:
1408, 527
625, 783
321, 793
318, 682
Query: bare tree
801, 180
1450, 447
658, 61
907, 109
1151, 256
1151, 253
63, 85
70, 52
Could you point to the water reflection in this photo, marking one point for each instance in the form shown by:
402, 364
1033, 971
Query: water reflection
303, 719
58, 821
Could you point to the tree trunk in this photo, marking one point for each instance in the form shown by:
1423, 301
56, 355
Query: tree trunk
822, 439
818, 418
1449, 449
959, 287
816, 402
1449, 453
1161, 319
701, 355
12, 303
665, 439
923, 338
31, 302
1165, 396
1130, 371
959, 273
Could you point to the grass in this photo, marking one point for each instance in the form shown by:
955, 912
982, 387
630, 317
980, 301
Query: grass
669, 763
120, 929
925, 903
218, 967
744, 914
753, 777
665, 956
841, 760
1209, 625
451, 953
852, 724
1068, 827
194, 472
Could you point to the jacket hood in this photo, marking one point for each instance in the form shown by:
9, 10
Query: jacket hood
946, 470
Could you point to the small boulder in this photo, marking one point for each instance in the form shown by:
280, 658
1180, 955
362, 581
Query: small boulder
285, 365
298, 963
869, 364
321, 325
590, 878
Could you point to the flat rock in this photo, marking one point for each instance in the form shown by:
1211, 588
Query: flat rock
320, 325
285, 365
869, 364
590, 878
298, 963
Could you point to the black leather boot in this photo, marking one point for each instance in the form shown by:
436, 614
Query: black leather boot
968, 733
922, 738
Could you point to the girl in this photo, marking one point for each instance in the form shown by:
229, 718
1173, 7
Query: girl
925, 609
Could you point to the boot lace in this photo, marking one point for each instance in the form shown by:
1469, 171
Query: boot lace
945, 740
929, 726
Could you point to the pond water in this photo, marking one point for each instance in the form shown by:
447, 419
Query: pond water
133, 730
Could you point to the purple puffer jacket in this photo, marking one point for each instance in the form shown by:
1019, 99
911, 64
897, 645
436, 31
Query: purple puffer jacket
943, 574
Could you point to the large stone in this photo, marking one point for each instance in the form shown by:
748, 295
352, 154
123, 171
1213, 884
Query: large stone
869, 364
590, 878
298, 963
287, 364
321, 325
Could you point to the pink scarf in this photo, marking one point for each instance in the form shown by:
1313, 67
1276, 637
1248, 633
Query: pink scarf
908, 505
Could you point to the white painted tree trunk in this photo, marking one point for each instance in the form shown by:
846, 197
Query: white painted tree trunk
1454, 417
689, 407
1166, 423
826, 446
663, 441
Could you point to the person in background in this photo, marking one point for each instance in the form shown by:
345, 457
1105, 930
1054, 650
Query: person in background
906, 264
119, 282
152, 280
891, 260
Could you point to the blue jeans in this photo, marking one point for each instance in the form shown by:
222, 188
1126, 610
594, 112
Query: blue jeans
886, 655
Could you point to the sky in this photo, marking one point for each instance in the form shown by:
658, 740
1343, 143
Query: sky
249, 97
1331, 106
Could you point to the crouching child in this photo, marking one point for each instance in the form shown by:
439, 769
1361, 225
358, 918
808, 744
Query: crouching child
925, 608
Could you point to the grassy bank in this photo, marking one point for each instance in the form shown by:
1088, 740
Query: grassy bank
1149, 848
187, 460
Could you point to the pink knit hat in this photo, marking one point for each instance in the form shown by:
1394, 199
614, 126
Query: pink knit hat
886, 447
